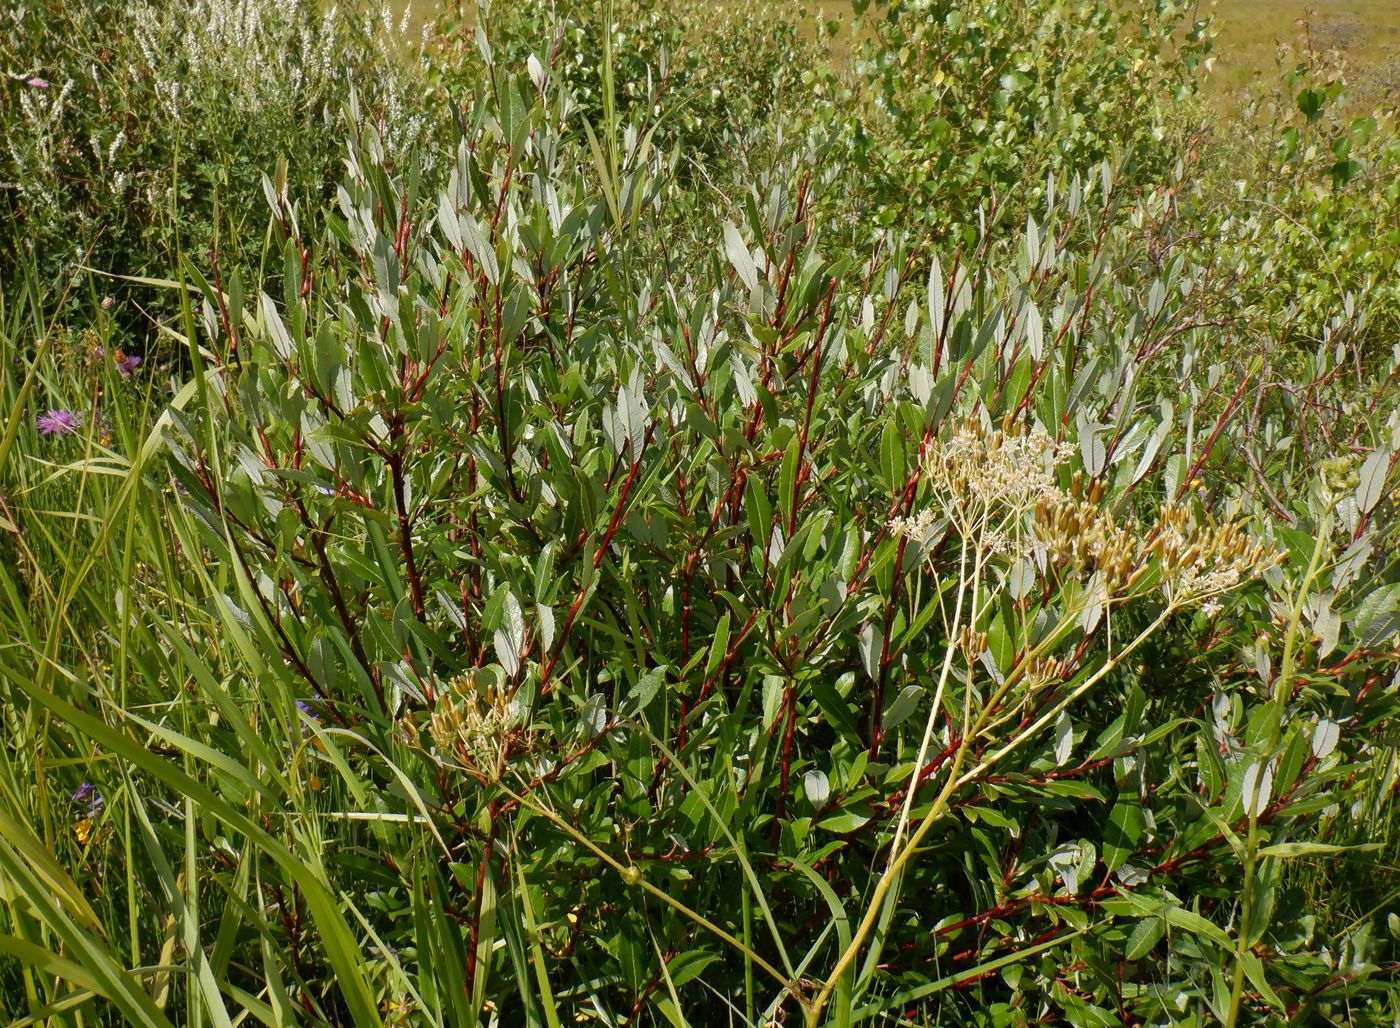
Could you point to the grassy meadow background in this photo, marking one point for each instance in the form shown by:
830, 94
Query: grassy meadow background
1366, 33
681, 514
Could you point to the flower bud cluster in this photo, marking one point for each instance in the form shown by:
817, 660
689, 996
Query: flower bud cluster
1202, 561
1340, 474
1042, 671
973, 643
476, 726
1083, 537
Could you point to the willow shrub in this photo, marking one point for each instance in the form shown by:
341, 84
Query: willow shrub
647, 638
547, 630
1297, 214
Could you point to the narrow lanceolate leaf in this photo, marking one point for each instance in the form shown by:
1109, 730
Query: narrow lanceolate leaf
1371, 485
871, 643
1328, 625
1064, 738
510, 637
1312, 849
1257, 788
1035, 332
276, 330
1091, 447
937, 306
1153, 446
740, 257
544, 616
480, 248
447, 221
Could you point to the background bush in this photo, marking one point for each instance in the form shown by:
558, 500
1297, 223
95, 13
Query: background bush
971, 106
1313, 190
136, 131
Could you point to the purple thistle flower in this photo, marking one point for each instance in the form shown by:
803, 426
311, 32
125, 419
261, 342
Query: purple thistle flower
308, 717
37, 83
124, 362
57, 422
87, 794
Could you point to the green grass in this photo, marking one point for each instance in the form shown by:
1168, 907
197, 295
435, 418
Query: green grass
1364, 33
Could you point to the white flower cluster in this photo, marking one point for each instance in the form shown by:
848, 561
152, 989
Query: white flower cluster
993, 467
265, 52
34, 151
998, 489
984, 480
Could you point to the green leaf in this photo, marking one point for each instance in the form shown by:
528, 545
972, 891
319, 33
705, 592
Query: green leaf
1377, 619
647, 688
892, 457
1288, 850
1179, 917
846, 821
719, 646
1310, 102
1126, 823
833, 902
510, 637
903, 706
1371, 485
1263, 897
787, 479
740, 257
1254, 971
835, 707
1144, 937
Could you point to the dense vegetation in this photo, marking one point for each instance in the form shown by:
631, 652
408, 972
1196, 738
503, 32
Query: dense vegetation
626, 513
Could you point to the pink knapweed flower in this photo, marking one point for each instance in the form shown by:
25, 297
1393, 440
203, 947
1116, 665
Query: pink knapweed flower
124, 362
57, 422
